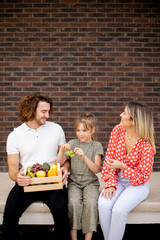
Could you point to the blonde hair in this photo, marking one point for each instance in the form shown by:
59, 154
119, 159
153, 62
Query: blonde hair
142, 117
88, 121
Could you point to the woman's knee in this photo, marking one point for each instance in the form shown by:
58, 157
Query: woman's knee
104, 204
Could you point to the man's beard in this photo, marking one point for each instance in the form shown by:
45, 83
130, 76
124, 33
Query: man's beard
39, 122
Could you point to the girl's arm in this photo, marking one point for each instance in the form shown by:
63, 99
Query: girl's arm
93, 166
61, 158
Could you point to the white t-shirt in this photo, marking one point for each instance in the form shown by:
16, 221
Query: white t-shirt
36, 146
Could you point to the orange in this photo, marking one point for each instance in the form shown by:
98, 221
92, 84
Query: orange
52, 172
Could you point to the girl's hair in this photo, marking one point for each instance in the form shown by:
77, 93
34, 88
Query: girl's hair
142, 117
88, 121
28, 105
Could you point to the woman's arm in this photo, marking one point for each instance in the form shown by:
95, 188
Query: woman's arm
115, 164
108, 175
141, 173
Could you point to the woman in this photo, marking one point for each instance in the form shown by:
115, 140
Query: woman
126, 169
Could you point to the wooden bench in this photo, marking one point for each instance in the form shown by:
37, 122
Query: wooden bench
38, 213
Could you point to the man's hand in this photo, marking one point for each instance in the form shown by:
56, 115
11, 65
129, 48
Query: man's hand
22, 179
64, 175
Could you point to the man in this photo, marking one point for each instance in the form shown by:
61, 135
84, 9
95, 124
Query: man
35, 140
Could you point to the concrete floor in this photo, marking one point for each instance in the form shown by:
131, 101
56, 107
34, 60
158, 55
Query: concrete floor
132, 232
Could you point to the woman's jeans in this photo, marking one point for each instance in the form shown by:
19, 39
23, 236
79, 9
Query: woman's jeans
18, 201
113, 213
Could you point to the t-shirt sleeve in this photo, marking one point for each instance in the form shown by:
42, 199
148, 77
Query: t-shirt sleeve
11, 146
72, 143
99, 149
62, 138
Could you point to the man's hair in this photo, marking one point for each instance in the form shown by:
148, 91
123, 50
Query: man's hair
28, 105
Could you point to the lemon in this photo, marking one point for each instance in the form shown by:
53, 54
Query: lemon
40, 173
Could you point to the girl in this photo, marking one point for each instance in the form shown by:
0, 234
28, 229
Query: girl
83, 184
126, 169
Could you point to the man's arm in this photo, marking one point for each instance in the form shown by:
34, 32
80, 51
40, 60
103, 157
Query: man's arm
13, 166
14, 173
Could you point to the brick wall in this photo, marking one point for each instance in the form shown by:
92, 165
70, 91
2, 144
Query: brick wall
87, 55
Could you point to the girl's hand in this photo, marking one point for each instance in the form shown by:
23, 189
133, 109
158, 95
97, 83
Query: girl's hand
108, 192
113, 164
65, 147
79, 152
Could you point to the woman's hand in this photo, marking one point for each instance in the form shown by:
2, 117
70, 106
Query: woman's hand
108, 192
112, 163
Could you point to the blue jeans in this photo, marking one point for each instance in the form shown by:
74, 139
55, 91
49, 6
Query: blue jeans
113, 213
18, 201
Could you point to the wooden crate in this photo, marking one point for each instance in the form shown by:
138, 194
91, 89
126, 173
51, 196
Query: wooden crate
45, 183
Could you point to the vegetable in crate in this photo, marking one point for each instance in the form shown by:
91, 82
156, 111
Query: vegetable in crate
46, 166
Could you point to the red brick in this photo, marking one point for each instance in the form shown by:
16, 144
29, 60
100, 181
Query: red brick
87, 55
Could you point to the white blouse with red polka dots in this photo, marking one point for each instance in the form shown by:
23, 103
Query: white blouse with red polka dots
139, 160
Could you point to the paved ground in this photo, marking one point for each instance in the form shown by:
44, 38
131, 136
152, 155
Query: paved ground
133, 232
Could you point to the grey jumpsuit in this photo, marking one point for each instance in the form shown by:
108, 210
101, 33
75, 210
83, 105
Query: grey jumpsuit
83, 188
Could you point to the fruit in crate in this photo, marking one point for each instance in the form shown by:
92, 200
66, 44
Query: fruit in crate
31, 171
41, 173
70, 153
53, 166
46, 166
39, 170
53, 170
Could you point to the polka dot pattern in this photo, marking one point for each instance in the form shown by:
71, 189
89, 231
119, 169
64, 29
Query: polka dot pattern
139, 160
